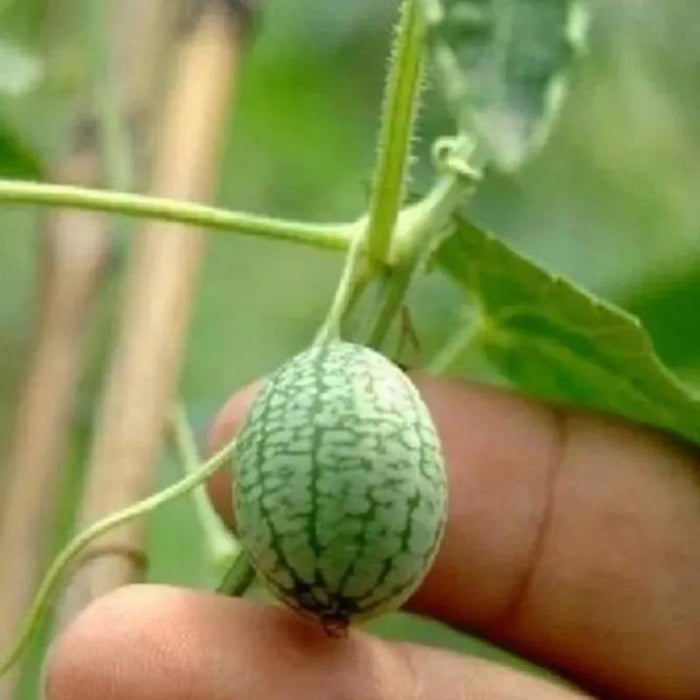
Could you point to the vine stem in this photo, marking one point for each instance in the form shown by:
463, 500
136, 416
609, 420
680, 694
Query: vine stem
223, 547
239, 576
328, 236
418, 227
394, 150
400, 107
78, 544
220, 542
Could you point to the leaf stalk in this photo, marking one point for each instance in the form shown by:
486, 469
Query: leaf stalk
335, 236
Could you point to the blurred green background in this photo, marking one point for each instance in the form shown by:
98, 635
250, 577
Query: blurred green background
612, 202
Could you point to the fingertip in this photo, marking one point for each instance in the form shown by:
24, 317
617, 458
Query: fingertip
231, 416
226, 425
86, 661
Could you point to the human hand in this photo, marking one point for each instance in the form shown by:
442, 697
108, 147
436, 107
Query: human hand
573, 539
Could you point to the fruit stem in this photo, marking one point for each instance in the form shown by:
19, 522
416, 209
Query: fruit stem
83, 539
335, 236
345, 294
394, 150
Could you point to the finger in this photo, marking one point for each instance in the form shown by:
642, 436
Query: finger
227, 424
571, 538
156, 643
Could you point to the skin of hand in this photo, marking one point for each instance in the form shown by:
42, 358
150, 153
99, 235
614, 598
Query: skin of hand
573, 539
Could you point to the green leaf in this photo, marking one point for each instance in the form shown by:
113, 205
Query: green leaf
503, 66
556, 341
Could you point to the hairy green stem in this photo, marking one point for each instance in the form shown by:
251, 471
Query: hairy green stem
220, 542
398, 120
328, 236
82, 540
418, 226
389, 181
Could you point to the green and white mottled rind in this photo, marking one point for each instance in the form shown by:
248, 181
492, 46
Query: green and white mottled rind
340, 489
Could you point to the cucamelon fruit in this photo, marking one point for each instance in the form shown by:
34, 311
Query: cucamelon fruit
339, 484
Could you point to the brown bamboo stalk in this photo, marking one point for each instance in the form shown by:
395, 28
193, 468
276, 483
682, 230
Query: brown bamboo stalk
75, 248
160, 288
75, 254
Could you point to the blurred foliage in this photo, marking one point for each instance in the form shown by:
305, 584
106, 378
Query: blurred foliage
611, 202
17, 160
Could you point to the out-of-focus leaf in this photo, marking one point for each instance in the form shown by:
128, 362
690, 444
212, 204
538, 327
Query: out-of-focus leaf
557, 342
20, 71
17, 159
503, 65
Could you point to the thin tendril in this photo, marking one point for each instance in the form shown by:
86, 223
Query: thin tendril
78, 544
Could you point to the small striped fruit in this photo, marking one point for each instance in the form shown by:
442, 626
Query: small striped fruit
339, 484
